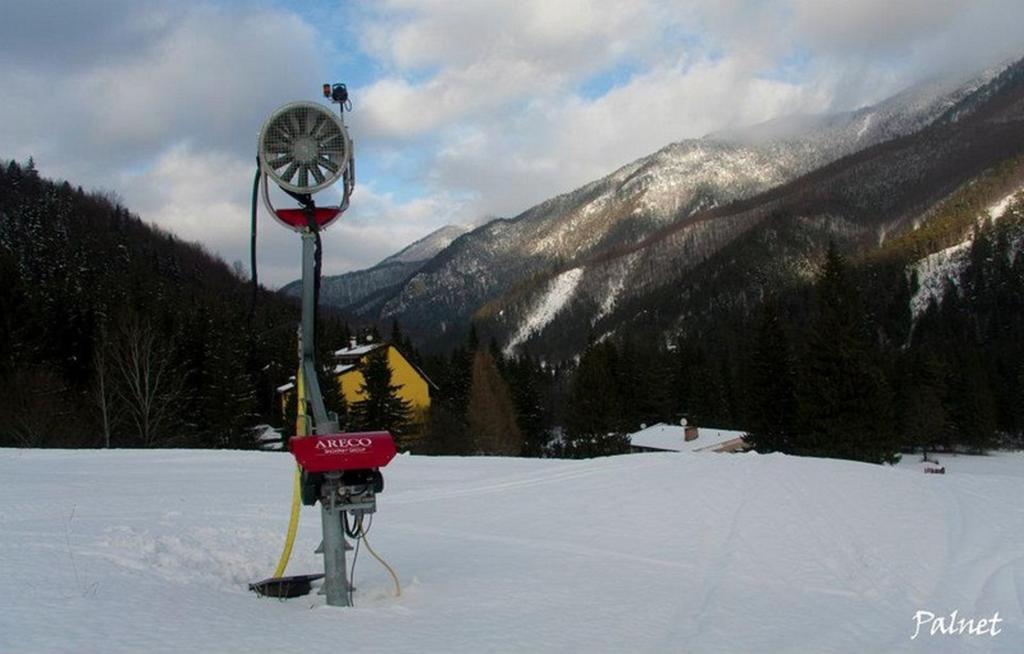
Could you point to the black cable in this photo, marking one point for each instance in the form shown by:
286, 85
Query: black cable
357, 526
252, 243
317, 266
310, 208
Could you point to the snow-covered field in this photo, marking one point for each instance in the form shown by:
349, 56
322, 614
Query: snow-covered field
127, 551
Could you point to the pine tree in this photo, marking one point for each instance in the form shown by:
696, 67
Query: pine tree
525, 383
844, 397
773, 393
594, 425
973, 408
924, 421
381, 408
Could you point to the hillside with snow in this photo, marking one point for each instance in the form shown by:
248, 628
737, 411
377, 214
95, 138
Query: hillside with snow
504, 265
941, 270
125, 551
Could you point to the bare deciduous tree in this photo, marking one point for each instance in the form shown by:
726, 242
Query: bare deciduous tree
149, 386
103, 386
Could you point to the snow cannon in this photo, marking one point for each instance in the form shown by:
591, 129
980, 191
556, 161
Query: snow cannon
343, 470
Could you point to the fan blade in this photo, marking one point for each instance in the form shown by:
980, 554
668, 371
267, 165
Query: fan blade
278, 133
318, 126
281, 130
315, 169
328, 164
304, 175
289, 172
280, 161
293, 122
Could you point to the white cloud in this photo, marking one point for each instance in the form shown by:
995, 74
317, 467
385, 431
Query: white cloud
205, 196
484, 108
550, 147
206, 75
495, 89
485, 56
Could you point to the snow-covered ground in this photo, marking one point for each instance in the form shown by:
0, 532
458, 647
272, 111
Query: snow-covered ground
126, 551
1009, 464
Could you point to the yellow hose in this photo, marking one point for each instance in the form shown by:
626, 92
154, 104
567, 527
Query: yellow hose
394, 577
293, 525
293, 520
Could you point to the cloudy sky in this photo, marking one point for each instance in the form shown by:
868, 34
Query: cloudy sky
462, 109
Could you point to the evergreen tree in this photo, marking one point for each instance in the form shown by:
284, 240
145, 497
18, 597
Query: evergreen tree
844, 397
526, 380
923, 419
773, 386
446, 430
974, 414
594, 424
381, 408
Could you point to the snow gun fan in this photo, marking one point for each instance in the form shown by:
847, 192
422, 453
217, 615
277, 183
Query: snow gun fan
304, 148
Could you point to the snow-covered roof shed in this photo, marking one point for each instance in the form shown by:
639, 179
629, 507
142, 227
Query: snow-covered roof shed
677, 438
357, 351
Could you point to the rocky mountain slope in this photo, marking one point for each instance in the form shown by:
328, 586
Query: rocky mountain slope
351, 287
500, 271
728, 257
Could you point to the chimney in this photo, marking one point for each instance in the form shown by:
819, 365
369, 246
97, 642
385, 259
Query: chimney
689, 433
352, 343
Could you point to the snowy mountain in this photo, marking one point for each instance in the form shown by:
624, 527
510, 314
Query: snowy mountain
726, 258
428, 246
136, 550
942, 270
348, 288
503, 271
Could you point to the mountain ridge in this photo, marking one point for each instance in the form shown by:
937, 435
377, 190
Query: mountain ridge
355, 286
629, 208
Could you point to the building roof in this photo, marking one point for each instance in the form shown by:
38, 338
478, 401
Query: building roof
358, 350
352, 353
670, 438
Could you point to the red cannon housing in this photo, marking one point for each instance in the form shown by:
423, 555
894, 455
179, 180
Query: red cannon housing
354, 460
340, 452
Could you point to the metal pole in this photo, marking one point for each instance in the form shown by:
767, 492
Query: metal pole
335, 574
322, 424
336, 586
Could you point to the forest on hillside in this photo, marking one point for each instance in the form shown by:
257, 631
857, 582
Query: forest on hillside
837, 365
113, 333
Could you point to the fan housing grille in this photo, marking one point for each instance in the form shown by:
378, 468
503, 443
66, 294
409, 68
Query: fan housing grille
304, 147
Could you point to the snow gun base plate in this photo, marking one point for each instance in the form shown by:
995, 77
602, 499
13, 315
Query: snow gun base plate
285, 587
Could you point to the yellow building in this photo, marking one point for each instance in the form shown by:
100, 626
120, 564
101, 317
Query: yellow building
414, 385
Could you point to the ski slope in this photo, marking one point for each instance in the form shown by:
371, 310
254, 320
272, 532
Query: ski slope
125, 551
